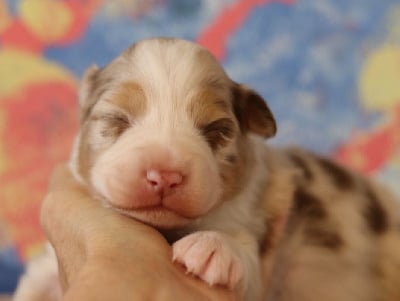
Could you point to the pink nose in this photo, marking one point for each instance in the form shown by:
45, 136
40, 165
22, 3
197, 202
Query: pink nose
164, 181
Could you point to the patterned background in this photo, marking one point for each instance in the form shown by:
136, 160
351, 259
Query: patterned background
330, 70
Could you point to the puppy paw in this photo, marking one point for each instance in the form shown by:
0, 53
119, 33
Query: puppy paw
209, 256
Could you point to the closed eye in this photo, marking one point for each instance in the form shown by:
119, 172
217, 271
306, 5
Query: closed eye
218, 132
114, 124
115, 117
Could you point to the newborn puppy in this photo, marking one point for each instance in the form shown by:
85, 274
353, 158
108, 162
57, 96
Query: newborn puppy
169, 139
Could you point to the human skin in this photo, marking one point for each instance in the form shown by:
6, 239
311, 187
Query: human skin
103, 255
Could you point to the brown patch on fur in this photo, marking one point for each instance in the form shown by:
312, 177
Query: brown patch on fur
324, 238
218, 132
234, 175
374, 213
208, 105
309, 210
267, 243
252, 112
275, 227
130, 97
211, 114
341, 177
302, 164
307, 205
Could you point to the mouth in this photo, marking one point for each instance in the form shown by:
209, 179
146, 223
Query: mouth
157, 216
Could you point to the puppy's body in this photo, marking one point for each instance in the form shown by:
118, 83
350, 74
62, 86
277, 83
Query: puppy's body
168, 139
341, 241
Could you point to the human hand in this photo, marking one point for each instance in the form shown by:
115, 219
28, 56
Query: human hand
103, 255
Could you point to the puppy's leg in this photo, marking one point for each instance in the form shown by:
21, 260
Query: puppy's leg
222, 259
40, 281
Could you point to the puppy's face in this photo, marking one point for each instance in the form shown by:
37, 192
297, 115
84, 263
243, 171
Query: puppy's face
164, 131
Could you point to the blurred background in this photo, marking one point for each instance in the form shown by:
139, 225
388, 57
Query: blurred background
329, 69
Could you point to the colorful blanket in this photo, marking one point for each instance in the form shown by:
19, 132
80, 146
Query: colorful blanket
330, 70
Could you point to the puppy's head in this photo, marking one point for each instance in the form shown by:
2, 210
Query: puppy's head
164, 131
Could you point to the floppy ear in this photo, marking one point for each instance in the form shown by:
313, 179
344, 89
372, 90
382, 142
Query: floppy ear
87, 96
252, 112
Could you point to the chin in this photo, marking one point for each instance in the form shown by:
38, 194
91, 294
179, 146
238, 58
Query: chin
158, 217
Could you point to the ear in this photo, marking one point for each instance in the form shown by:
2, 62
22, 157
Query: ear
252, 112
86, 95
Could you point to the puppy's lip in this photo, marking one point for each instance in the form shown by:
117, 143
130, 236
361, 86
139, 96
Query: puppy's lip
157, 208
156, 216
149, 209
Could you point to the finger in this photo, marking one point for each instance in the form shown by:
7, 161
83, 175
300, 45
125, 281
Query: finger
62, 179
66, 205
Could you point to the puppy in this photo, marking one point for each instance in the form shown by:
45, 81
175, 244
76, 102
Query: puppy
169, 139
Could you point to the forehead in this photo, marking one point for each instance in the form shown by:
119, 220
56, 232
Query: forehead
173, 64
170, 73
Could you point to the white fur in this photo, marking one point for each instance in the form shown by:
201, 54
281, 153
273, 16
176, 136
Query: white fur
239, 220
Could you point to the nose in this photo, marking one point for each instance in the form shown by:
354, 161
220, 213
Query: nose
164, 181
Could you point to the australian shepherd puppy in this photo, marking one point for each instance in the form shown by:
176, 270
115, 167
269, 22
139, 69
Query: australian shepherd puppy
169, 139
